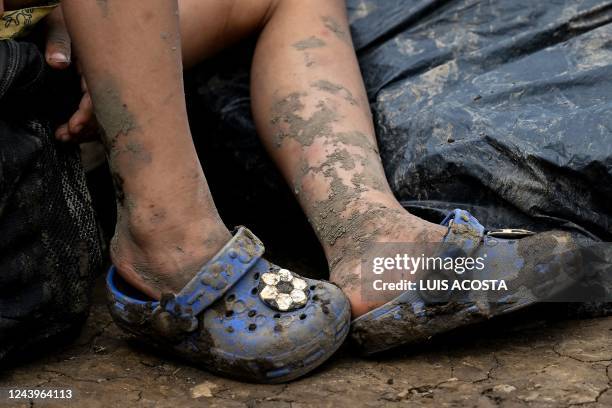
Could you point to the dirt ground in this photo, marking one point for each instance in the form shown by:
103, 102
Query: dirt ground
528, 360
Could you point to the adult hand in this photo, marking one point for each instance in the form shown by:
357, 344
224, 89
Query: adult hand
82, 126
58, 46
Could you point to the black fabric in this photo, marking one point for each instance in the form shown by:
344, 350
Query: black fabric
49, 241
500, 107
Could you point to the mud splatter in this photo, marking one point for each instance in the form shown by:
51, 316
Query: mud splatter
158, 217
340, 216
357, 139
343, 158
138, 151
103, 5
289, 124
348, 281
335, 27
118, 122
308, 43
365, 181
112, 113
335, 89
308, 59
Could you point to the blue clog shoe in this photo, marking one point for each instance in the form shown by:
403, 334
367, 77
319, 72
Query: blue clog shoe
240, 316
534, 267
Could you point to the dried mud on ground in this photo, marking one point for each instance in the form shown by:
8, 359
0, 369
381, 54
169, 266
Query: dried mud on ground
525, 362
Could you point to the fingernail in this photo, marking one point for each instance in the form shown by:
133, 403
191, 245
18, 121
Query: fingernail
77, 129
59, 57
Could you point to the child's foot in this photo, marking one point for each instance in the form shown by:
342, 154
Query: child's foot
373, 223
158, 247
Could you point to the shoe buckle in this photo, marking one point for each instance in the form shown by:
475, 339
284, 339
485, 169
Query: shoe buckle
510, 233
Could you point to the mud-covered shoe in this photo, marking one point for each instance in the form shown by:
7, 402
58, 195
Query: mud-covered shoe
533, 267
240, 316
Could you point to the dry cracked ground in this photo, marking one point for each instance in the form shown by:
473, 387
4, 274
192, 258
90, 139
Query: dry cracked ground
529, 360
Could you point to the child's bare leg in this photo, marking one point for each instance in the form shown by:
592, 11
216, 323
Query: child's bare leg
312, 114
167, 223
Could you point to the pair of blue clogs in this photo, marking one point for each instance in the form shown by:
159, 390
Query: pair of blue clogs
246, 318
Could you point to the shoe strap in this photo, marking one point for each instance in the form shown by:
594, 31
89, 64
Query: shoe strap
463, 237
215, 278
463, 230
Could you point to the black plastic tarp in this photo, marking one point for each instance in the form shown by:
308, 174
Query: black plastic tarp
502, 107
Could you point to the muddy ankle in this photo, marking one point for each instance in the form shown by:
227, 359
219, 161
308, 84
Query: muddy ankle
377, 223
157, 261
396, 226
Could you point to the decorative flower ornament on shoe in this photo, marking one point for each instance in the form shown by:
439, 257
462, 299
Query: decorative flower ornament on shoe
283, 291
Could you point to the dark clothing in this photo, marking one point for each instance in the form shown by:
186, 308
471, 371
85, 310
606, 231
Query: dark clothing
49, 241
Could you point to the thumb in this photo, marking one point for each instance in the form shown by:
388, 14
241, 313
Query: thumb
58, 50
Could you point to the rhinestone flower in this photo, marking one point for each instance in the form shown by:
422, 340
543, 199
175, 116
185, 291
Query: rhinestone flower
282, 290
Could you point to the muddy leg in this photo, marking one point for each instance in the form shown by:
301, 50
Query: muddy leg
313, 116
167, 223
